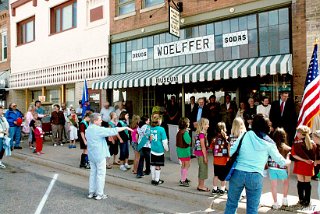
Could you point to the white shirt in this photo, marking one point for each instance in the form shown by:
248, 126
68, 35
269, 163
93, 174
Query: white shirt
105, 113
4, 125
265, 110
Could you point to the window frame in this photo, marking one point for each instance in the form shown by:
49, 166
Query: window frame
124, 4
21, 37
4, 34
60, 7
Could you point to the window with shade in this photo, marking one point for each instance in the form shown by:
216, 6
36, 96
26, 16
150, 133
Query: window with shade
64, 17
4, 52
150, 3
126, 6
25, 31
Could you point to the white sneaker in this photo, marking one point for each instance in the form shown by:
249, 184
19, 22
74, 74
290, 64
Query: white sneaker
2, 166
285, 202
123, 168
275, 206
55, 145
91, 195
127, 166
100, 197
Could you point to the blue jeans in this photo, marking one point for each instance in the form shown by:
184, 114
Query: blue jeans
15, 135
253, 182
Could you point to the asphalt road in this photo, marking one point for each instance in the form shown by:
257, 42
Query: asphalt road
22, 191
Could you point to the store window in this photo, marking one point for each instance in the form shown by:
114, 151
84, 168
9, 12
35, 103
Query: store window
4, 47
150, 3
54, 96
126, 6
25, 31
70, 94
64, 17
267, 33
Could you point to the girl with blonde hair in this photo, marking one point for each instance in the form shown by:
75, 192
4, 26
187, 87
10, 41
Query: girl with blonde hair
201, 153
237, 130
304, 151
134, 142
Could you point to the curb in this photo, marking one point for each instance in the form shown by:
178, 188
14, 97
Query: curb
163, 191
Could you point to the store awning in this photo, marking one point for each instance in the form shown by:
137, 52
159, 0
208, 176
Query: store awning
252, 67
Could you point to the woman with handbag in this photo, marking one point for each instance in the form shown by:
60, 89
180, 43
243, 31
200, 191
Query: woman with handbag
253, 155
4, 131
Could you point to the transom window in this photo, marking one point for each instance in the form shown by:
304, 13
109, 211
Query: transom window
126, 6
25, 31
150, 3
64, 17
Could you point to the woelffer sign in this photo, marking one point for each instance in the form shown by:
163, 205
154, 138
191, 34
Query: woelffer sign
187, 46
234, 39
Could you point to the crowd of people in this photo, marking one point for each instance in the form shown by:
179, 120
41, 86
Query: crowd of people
266, 135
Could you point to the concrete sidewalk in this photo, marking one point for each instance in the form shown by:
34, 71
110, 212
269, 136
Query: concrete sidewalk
63, 158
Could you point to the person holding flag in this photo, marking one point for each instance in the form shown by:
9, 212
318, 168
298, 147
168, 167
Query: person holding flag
85, 99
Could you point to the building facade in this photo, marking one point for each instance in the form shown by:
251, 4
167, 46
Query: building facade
5, 51
56, 45
244, 48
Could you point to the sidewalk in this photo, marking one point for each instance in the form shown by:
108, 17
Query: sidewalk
63, 158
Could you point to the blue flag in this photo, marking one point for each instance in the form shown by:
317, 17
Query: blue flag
85, 99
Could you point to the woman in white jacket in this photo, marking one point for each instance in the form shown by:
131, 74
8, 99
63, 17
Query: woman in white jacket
4, 131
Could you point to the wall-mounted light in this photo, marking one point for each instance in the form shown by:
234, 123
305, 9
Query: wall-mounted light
182, 20
231, 10
142, 30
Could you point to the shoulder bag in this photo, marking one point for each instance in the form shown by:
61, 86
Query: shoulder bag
231, 164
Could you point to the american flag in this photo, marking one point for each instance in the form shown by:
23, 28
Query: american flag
311, 96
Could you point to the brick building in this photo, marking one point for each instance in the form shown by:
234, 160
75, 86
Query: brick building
245, 48
55, 46
5, 51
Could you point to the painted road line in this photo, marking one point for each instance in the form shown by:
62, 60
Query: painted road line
45, 197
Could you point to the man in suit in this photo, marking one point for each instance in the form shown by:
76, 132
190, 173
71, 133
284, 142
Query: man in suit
200, 112
228, 112
191, 107
283, 114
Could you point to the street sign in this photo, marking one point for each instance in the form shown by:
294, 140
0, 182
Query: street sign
174, 22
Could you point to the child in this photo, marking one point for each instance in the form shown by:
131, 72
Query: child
144, 146
303, 150
316, 140
32, 128
124, 138
201, 153
220, 148
84, 161
159, 144
73, 118
38, 133
183, 141
279, 173
134, 142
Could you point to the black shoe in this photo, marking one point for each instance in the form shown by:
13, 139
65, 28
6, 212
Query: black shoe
187, 180
184, 184
223, 191
193, 156
17, 147
139, 176
215, 191
154, 182
160, 181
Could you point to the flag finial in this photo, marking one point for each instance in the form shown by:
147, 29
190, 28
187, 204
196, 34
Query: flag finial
316, 40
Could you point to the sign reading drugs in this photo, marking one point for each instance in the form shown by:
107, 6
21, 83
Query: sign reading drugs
182, 47
139, 55
234, 39
174, 22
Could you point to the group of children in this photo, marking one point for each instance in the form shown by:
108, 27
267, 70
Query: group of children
304, 151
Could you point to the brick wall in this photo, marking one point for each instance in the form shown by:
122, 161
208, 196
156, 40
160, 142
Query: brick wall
140, 20
312, 25
299, 46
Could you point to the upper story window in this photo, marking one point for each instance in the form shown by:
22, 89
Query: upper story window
4, 47
126, 6
150, 3
25, 31
64, 16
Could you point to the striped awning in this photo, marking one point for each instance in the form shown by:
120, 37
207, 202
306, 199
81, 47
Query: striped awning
252, 67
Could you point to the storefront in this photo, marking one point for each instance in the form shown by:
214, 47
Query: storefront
248, 56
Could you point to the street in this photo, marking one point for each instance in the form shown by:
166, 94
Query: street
23, 188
